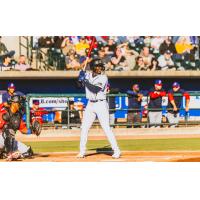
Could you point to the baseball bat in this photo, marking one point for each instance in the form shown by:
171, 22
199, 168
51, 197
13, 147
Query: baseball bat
89, 53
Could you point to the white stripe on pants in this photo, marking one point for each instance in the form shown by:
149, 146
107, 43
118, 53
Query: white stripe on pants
99, 109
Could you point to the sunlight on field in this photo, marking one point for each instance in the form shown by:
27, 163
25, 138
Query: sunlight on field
187, 144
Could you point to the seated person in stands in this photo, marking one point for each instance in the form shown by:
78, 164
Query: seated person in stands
57, 42
72, 62
154, 65
3, 49
155, 44
6, 61
167, 45
105, 59
67, 45
22, 65
130, 56
45, 42
110, 47
184, 48
74, 116
165, 61
119, 61
140, 66
81, 47
147, 57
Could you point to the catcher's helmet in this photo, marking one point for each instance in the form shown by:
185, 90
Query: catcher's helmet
96, 63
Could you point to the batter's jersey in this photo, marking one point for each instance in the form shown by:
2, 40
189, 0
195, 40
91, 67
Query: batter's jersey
101, 81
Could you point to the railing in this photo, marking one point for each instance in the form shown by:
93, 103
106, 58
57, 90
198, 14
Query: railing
143, 123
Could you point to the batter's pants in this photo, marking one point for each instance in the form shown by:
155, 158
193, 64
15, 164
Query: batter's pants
100, 110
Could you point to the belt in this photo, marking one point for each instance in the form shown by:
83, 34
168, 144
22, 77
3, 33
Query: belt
94, 101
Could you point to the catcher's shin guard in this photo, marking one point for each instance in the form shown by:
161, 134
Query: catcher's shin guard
9, 139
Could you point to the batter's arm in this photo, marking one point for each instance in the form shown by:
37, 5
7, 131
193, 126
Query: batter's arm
91, 87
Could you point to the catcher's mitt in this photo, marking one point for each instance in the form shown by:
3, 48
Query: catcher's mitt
36, 128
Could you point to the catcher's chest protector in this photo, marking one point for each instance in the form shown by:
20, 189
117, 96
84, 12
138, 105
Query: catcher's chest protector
2, 121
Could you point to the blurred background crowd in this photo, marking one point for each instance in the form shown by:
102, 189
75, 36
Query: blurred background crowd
119, 53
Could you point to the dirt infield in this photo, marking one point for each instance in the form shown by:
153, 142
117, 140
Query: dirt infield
128, 156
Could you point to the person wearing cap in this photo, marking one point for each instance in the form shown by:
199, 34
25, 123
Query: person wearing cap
175, 96
134, 105
37, 112
165, 61
11, 91
6, 61
155, 104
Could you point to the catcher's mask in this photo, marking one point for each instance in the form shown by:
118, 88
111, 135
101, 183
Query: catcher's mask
15, 103
95, 64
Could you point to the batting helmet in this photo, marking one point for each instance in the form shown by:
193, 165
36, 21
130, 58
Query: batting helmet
96, 63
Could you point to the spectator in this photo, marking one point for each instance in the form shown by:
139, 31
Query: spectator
119, 61
72, 63
140, 66
134, 106
155, 43
166, 62
110, 48
154, 65
184, 48
147, 57
57, 42
3, 49
130, 56
81, 47
67, 46
6, 61
105, 59
22, 65
45, 42
155, 104
167, 45
147, 41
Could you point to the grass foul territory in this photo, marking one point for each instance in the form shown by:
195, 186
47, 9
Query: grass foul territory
186, 144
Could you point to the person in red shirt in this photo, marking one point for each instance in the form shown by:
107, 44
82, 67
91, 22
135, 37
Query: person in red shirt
37, 112
155, 104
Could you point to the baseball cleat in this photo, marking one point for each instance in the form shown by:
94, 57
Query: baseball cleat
80, 155
116, 155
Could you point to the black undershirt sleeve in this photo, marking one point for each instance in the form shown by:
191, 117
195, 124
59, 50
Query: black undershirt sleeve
92, 88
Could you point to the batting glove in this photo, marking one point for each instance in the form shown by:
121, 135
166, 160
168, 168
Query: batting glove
81, 76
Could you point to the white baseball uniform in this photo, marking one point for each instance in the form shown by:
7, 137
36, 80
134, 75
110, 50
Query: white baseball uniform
97, 107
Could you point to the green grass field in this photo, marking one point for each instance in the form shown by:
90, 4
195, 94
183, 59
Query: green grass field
185, 144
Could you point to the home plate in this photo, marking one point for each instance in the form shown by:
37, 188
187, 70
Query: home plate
113, 160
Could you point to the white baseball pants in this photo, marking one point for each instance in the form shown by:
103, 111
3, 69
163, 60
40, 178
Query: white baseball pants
100, 110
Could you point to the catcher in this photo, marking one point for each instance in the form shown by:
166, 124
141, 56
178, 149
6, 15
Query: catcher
10, 122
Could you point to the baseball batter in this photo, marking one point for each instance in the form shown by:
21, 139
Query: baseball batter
95, 84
